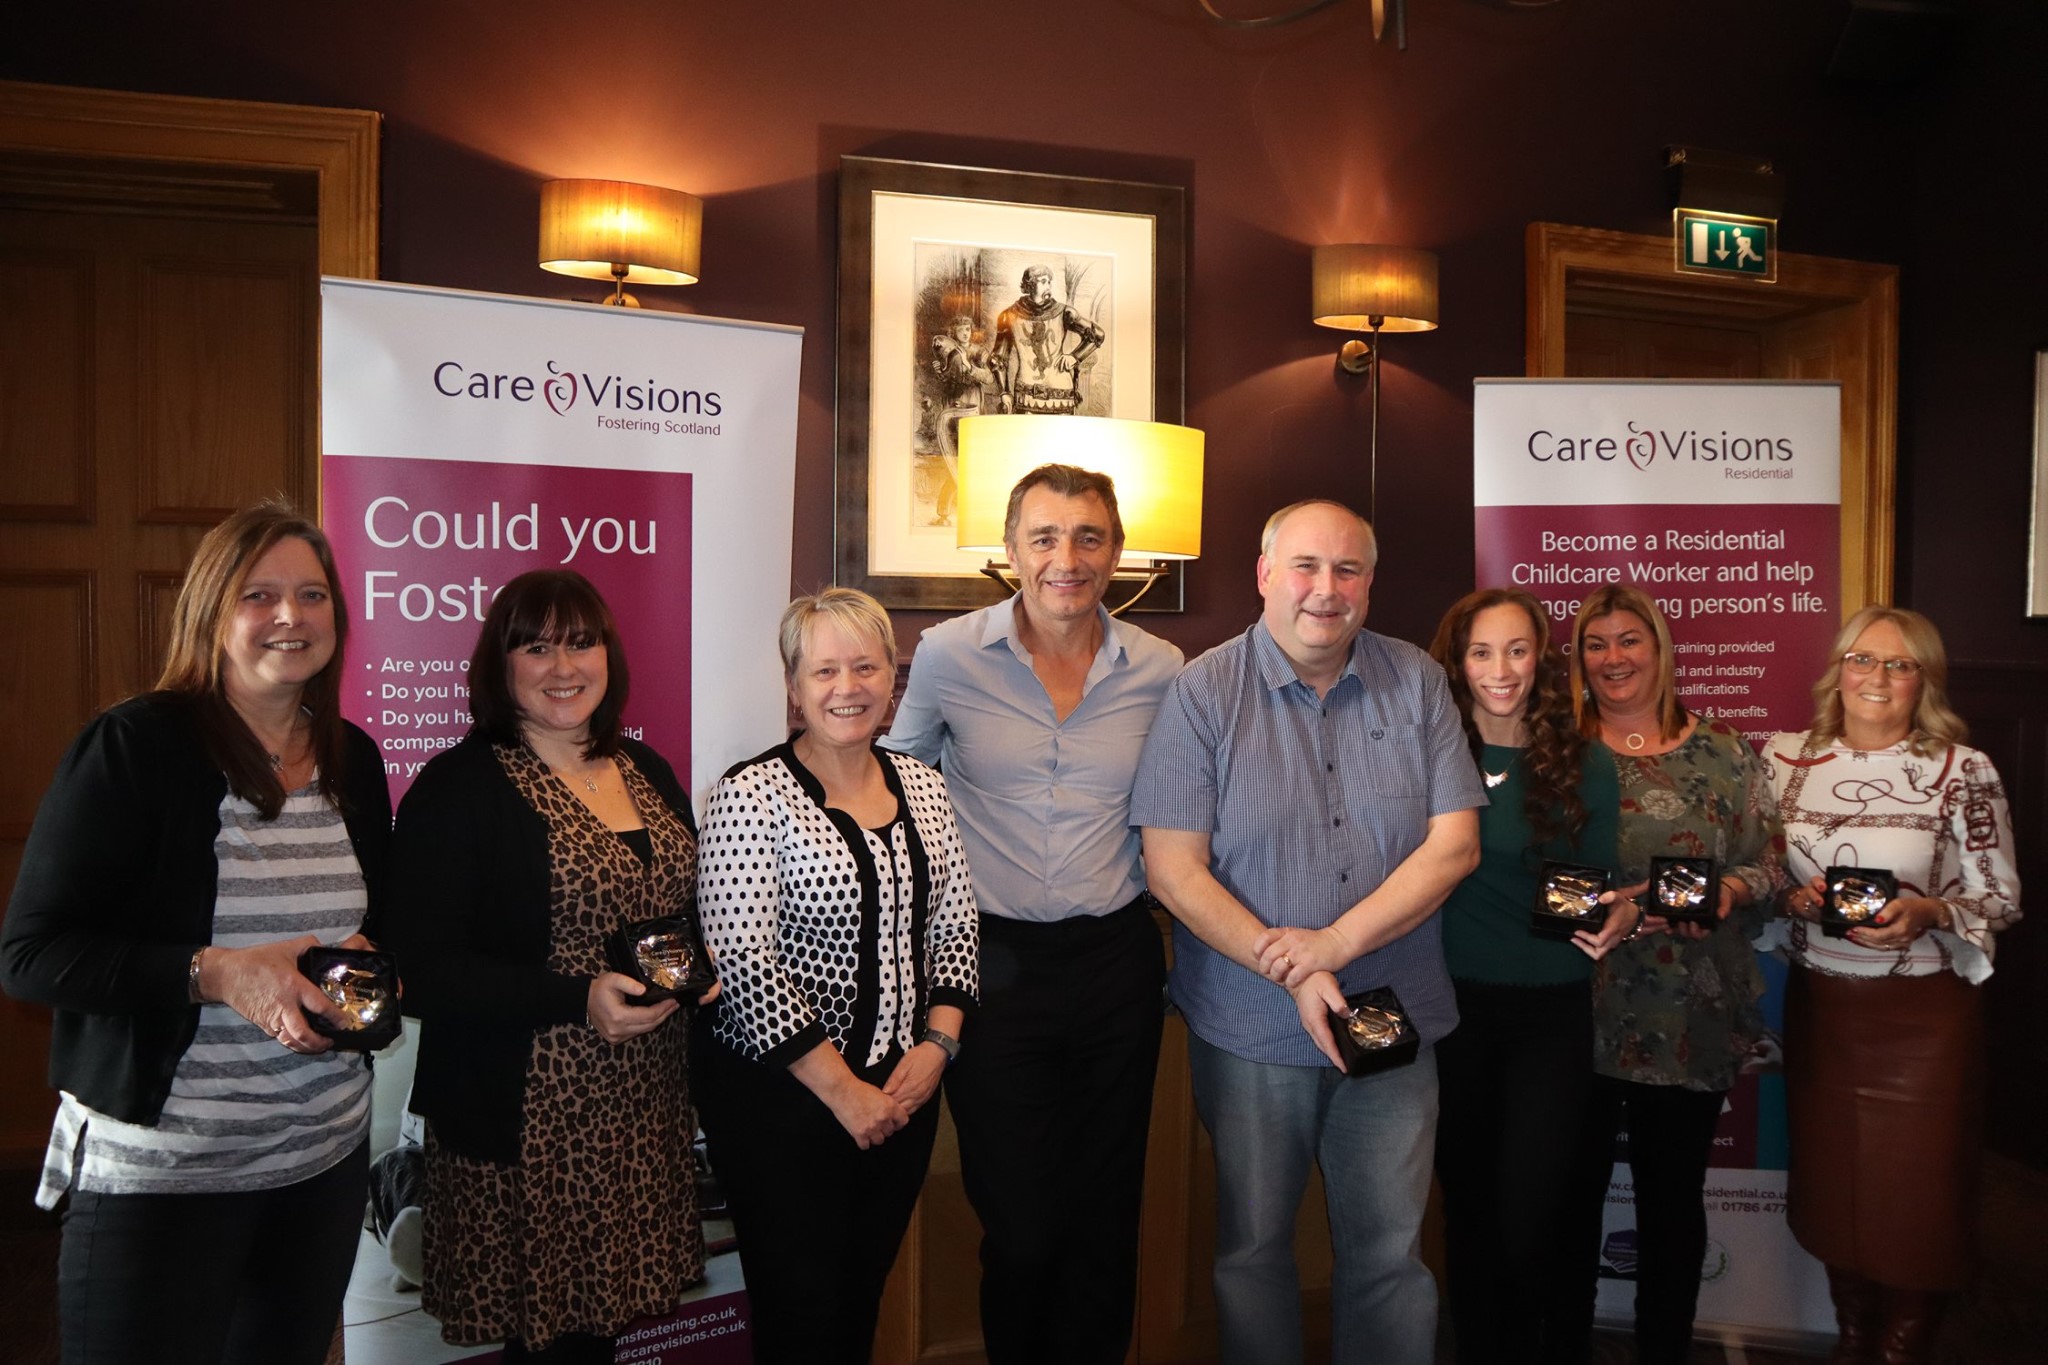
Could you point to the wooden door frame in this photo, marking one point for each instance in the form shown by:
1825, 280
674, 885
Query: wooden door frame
339, 145
1865, 294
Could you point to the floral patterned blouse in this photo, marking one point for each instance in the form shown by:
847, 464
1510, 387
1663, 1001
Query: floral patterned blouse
1668, 1010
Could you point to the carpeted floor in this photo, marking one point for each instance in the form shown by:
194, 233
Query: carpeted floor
2003, 1321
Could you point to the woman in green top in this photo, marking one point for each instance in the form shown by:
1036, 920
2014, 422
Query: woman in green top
1675, 1012
1513, 1078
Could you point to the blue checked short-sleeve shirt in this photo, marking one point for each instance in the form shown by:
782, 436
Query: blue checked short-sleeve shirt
1309, 804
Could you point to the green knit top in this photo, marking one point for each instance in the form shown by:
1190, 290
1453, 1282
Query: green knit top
1486, 919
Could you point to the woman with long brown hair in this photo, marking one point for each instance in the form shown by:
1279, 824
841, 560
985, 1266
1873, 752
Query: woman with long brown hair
1513, 1077
194, 841
1884, 1024
1675, 1012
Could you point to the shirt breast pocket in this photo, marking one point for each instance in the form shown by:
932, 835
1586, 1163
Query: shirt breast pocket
1391, 764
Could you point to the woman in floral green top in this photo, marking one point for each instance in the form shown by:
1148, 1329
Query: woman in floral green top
1675, 1011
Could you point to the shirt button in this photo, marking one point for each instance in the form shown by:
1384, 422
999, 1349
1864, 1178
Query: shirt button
1329, 767
1343, 876
1338, 821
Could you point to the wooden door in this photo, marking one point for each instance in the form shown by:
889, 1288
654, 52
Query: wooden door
1609, 305
159, 264
156, 372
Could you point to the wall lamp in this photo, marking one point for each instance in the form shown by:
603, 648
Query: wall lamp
619, 231
1156, 466
1373, 289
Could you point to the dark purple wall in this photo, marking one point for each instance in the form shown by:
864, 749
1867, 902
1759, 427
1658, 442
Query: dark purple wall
1285, 138
1495, 117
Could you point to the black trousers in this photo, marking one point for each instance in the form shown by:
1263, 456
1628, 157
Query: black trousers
1670, 1138
251, 1278
819, 1220
1512, 1086
1052, 1097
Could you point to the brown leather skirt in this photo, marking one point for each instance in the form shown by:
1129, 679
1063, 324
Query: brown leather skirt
1884, 1085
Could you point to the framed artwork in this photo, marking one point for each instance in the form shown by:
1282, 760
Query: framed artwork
966, 291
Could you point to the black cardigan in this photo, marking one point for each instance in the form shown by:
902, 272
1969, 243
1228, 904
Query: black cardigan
470, 922
116, 892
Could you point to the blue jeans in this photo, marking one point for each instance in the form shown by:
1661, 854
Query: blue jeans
1373, 1138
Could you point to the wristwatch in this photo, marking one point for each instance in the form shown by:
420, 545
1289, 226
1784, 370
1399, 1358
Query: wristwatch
948, 1044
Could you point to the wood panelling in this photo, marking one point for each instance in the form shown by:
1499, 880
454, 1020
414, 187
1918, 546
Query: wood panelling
224, 346
46, 308
156, 594
47, 686
1603, 346
48, 679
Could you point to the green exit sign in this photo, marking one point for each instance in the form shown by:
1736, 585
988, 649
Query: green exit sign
1724, 244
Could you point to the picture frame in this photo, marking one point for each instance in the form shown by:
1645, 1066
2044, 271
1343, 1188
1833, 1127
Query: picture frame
2037, 530
966, 289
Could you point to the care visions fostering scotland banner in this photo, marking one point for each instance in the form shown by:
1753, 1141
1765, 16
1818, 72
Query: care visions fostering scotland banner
468, 438
1722, 501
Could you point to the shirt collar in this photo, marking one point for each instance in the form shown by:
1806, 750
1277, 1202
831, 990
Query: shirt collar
1276, 670
999, 627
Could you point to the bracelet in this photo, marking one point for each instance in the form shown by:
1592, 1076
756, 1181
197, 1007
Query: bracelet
945, 1042
192, 995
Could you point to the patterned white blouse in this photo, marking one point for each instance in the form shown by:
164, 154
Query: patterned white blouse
1940, 825
824, 931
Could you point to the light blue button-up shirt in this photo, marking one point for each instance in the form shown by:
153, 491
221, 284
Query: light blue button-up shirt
1043, 804
1309, 804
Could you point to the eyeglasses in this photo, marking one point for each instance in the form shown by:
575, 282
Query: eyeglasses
1858, 662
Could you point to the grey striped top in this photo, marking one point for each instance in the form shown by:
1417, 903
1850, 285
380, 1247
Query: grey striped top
244, 1113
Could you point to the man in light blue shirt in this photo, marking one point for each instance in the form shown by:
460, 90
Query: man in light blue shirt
1037, 710
1308, 800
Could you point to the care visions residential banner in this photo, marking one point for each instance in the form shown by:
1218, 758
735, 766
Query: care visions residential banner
471, 437
1722, 502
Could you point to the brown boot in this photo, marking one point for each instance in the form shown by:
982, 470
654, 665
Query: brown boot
1912, 1319
1859, 1317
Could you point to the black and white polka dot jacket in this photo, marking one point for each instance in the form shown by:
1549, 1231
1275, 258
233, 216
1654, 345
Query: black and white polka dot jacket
822, 930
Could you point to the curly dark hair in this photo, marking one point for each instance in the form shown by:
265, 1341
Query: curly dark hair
1551, 761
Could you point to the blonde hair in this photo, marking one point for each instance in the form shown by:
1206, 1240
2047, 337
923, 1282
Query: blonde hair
1934, 725
858, 616
1605, 602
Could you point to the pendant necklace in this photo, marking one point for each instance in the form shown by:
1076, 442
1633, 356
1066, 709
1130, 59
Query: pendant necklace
1635, 743
1494, 779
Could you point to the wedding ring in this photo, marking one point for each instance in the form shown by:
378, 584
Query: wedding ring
1287, 962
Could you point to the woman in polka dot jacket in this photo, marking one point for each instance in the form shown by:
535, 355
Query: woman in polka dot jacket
836, 901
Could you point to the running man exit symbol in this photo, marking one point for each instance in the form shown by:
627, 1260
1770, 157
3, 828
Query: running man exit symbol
1723, 244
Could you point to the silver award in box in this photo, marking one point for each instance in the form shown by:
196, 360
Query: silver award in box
1684, 891
1854, 897
1568, 900
665, 955
363, 984
1376, 1034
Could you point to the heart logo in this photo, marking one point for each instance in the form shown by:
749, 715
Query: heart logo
559, 391
1641, 447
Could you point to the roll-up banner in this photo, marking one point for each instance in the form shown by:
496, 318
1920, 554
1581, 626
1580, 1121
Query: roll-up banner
471, 437
468, 438
1722, 501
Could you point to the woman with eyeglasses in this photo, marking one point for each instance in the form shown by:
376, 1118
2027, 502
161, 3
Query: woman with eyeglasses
1884, 1026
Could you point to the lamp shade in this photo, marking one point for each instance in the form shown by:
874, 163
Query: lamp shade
1157, 469
589, 226
1358, 288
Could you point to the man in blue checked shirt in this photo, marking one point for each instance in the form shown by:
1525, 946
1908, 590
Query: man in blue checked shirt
1308, 800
